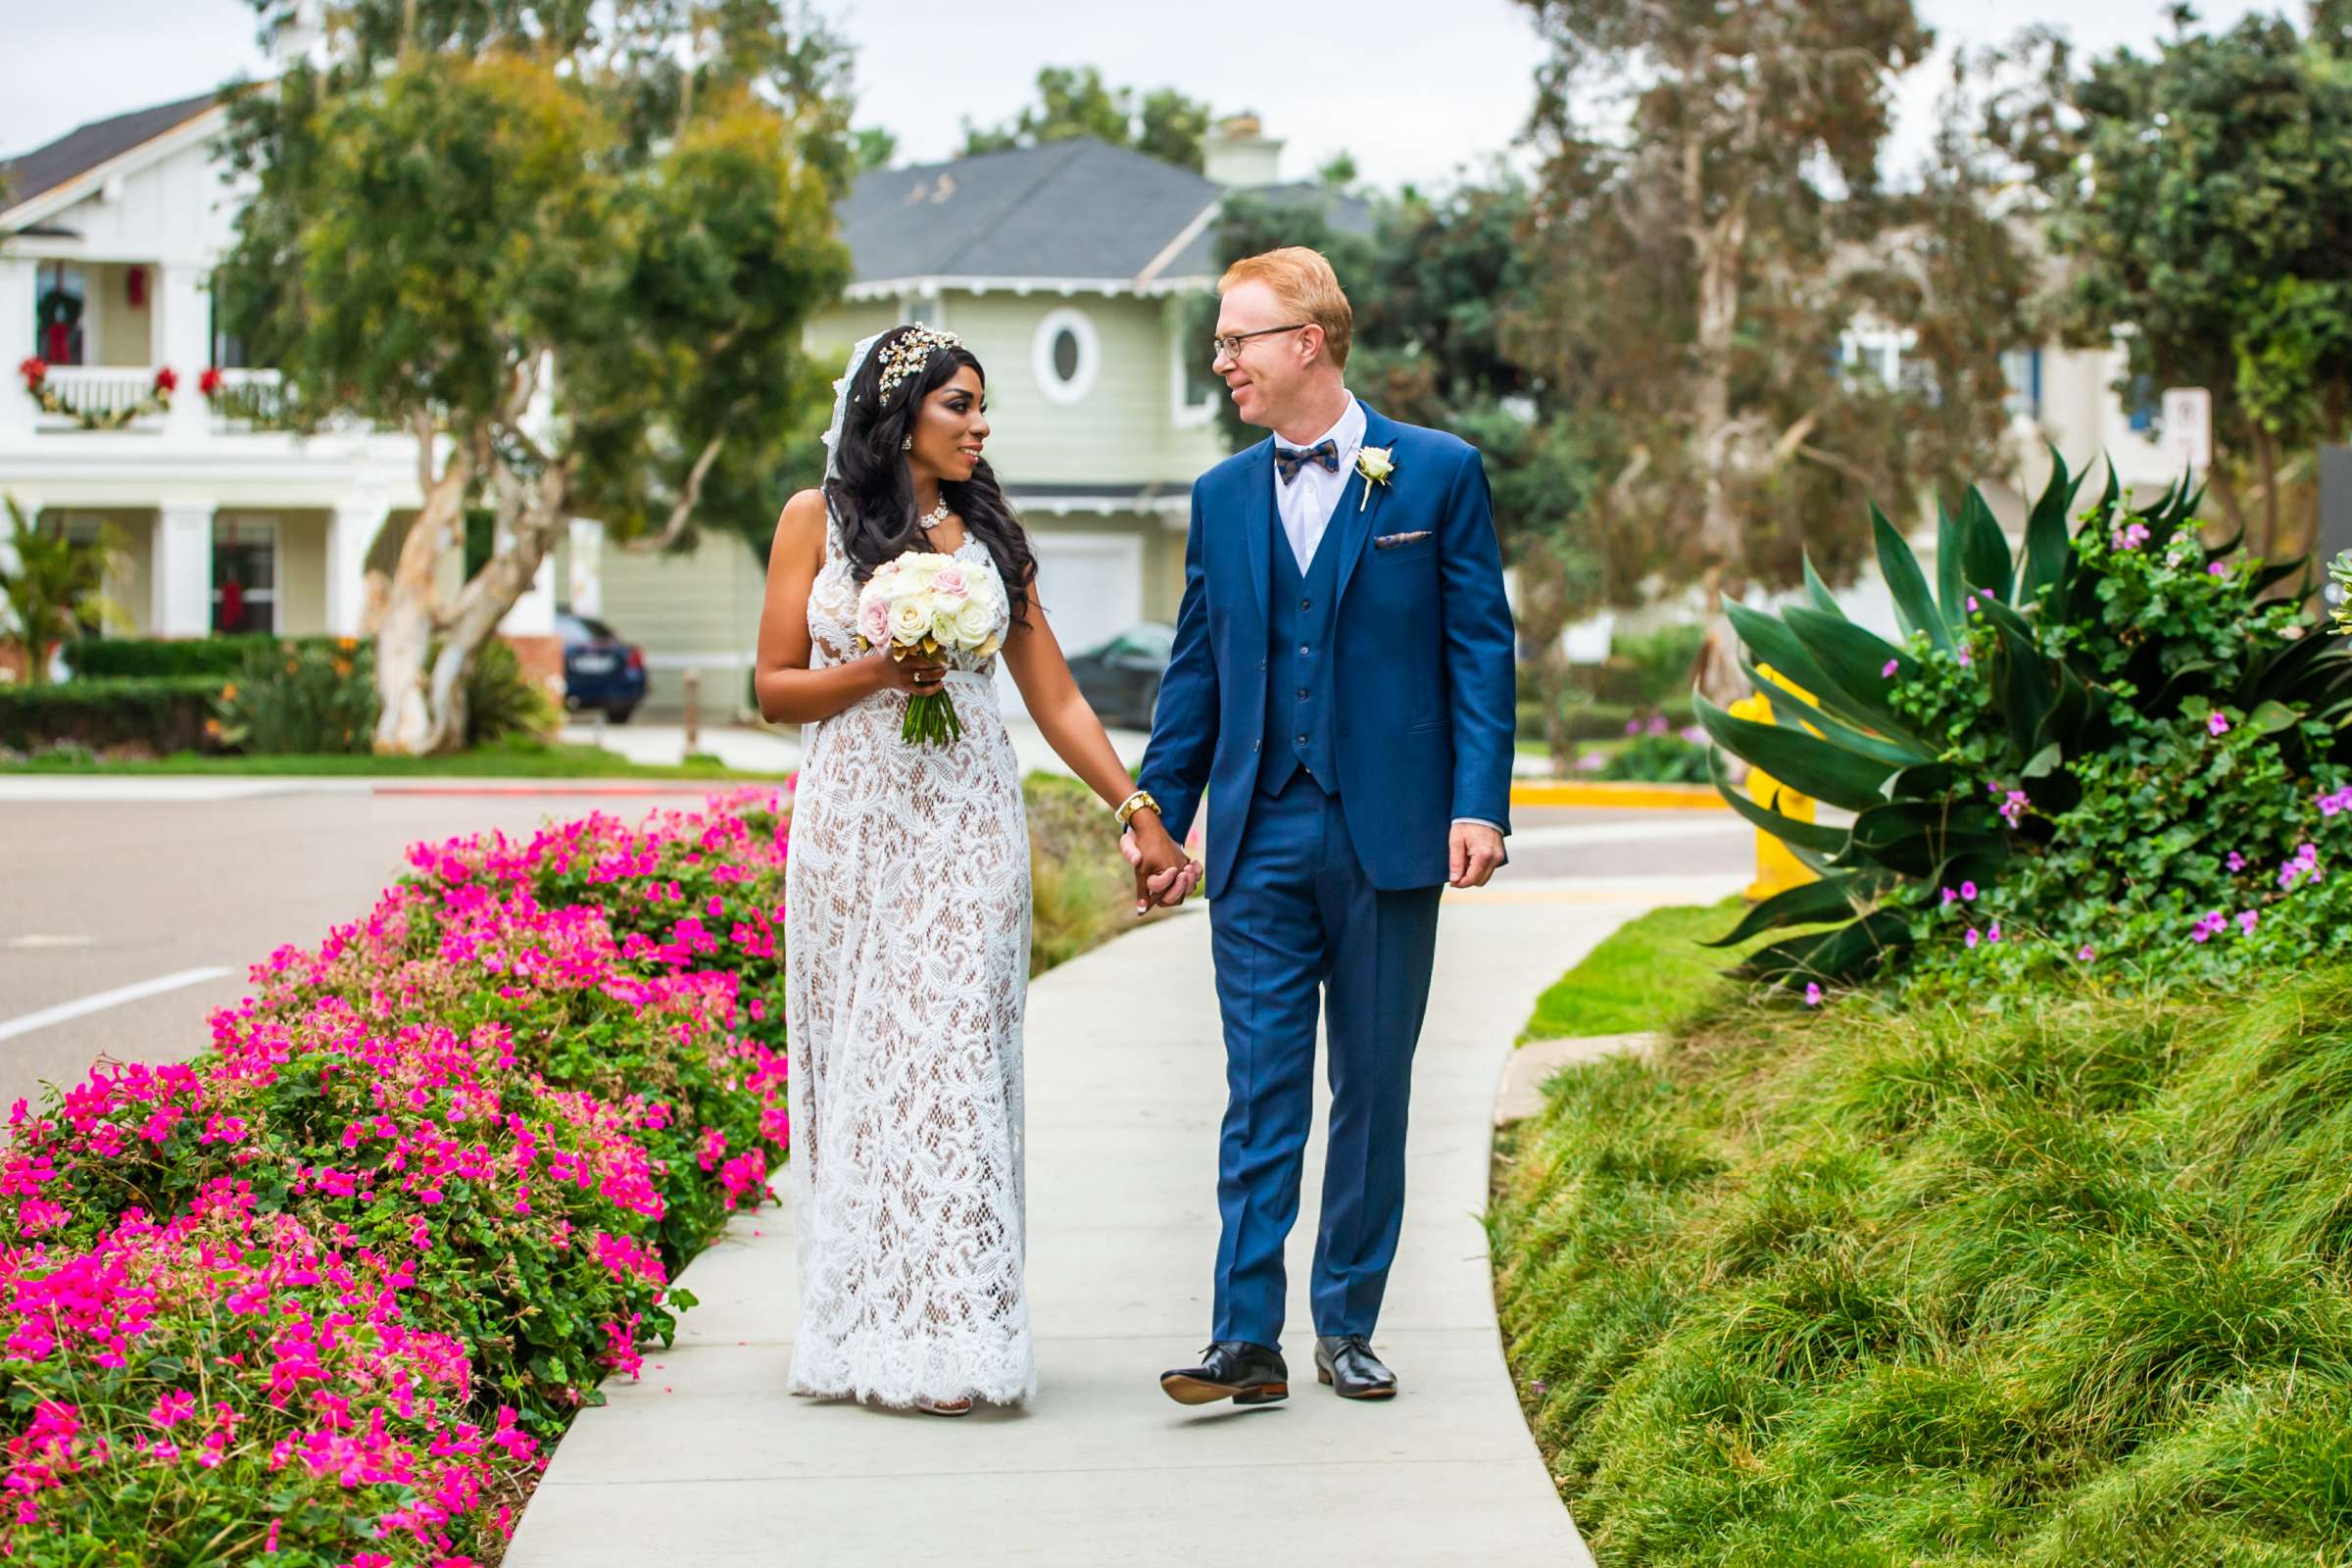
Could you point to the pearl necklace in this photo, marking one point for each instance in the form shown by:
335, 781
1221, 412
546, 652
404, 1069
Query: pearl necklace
934, 517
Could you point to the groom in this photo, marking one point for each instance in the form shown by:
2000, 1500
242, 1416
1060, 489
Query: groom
1341, 685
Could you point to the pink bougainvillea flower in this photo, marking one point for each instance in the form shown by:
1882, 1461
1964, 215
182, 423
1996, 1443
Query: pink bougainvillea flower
1888, 670
2216, 724
1812, 994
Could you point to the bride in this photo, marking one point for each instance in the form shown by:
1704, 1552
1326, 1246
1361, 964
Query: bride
908, 889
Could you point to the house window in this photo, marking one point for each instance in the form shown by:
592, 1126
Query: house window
244, 574
2022, 370
60, 295
1064, 355
920, 310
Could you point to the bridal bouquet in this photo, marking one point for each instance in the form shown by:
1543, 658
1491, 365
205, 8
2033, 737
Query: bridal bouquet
934, 605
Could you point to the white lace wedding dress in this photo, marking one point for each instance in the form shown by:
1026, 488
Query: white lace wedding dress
907, 968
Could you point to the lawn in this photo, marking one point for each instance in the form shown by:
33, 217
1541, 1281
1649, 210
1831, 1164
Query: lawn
2064, 1286
1649, 973
514, 757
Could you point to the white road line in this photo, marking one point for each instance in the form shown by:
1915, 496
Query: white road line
64, 1010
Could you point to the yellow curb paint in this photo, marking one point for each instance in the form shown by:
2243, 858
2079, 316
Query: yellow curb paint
1624, 796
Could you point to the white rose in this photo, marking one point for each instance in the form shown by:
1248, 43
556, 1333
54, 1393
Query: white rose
910, 619
943, 624
974, 620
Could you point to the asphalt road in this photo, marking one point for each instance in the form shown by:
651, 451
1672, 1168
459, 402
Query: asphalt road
97, 896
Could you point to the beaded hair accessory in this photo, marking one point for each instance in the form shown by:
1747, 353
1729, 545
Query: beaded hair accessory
909, 353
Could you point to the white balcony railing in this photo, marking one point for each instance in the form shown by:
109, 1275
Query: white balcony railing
116, 397
108, 395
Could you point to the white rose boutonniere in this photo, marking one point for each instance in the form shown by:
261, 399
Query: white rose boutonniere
1375, 464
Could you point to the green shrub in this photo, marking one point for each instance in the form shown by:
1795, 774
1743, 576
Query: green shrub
2116, 752
300, 698
500, 701
219, 655
1081, 889
165, 714
1659, 757
2069, 1284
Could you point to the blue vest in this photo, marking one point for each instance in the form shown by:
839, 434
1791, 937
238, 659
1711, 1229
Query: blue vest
1299, 666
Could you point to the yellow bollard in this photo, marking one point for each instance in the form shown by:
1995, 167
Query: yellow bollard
1777, 870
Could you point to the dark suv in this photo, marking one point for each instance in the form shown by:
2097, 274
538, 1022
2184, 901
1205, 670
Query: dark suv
1121, 677
600, 670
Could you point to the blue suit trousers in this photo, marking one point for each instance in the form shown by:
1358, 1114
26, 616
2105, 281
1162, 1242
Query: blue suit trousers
1299, 923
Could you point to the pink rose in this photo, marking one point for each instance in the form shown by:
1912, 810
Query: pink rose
951, 581
873, 621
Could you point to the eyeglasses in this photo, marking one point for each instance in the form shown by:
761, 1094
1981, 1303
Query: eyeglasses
1227, 345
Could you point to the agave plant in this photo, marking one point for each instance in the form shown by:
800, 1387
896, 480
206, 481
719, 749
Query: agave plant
1922, 816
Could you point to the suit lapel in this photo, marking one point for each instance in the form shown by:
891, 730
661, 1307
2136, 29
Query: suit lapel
1357, 512
1257, 523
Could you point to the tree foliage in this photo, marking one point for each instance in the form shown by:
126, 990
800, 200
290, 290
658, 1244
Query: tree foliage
1074, 101
2201, 199
570, 247
1710, 219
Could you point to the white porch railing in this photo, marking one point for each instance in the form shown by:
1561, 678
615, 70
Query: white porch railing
99, 391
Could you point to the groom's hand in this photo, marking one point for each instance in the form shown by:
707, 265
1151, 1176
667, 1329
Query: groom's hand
1166, 877
1474, 853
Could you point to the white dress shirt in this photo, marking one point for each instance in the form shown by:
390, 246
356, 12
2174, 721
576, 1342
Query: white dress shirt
1307, 504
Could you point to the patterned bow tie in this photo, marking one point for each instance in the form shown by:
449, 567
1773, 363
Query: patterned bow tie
1286, 460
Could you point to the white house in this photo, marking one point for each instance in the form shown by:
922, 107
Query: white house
109, 238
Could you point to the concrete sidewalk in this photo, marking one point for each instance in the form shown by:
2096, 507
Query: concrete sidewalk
708, 1461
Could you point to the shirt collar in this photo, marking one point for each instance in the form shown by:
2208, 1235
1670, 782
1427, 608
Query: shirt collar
1347, 434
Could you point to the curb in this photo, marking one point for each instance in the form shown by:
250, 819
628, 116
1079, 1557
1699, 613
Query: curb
1623, 795
617, 787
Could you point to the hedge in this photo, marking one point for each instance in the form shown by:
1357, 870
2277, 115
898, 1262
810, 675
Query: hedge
217, 657
165, 712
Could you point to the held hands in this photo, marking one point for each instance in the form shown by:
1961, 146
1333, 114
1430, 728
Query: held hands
1474, 851
1163, 874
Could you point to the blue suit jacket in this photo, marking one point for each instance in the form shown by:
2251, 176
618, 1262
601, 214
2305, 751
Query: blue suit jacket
1425, 692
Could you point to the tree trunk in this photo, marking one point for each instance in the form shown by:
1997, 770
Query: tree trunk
1717, 673
408, 722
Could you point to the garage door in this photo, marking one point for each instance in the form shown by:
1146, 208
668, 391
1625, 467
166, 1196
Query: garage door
1092, 587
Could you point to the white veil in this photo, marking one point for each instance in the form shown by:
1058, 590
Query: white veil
841, 406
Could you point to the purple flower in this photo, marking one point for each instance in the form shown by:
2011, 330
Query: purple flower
2216, 724
1971, 604
2132, 537
1968, 890
2211, 926
1964, 660
2013, 809
1994, 934
1888, 669
1658, 724
2237, 861
2084, 954
2246, 919
1633, 726
1974, 935
2335, 800
1812, 994
1948, 896
2217, 569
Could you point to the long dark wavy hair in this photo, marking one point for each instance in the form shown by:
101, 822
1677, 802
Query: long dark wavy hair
874, 495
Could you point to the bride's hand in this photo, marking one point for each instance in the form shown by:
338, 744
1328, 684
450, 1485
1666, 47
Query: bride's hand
915, 673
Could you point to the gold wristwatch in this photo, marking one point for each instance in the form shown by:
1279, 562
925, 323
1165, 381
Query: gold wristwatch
1132, 805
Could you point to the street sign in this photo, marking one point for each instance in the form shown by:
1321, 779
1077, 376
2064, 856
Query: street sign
2188, 428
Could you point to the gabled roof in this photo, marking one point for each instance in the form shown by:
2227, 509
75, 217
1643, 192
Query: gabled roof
102, 142
1079, 209
1075, 211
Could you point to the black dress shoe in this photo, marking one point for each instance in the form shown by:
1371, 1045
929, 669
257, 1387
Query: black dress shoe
1230, 1369
1347, 1363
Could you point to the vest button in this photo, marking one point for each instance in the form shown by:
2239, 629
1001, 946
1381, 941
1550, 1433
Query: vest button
1303, 694
1307, 604
1302, 740
1304, 651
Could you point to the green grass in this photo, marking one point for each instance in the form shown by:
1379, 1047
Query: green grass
1649, 973
2065, 1284
514, 757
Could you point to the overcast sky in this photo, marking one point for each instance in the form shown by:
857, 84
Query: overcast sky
1412, 101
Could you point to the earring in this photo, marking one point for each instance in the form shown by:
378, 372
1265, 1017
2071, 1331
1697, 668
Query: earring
906, 444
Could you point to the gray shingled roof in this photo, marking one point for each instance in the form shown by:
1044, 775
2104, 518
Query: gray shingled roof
1079, 207
79, 151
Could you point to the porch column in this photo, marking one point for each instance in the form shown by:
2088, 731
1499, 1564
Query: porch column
183, 569
351, 529
182, 339
17, 273
586, 588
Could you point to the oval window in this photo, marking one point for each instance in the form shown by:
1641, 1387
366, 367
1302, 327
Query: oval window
1065, 355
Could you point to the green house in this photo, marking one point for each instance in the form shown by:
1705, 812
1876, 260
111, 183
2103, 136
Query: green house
1068, 270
